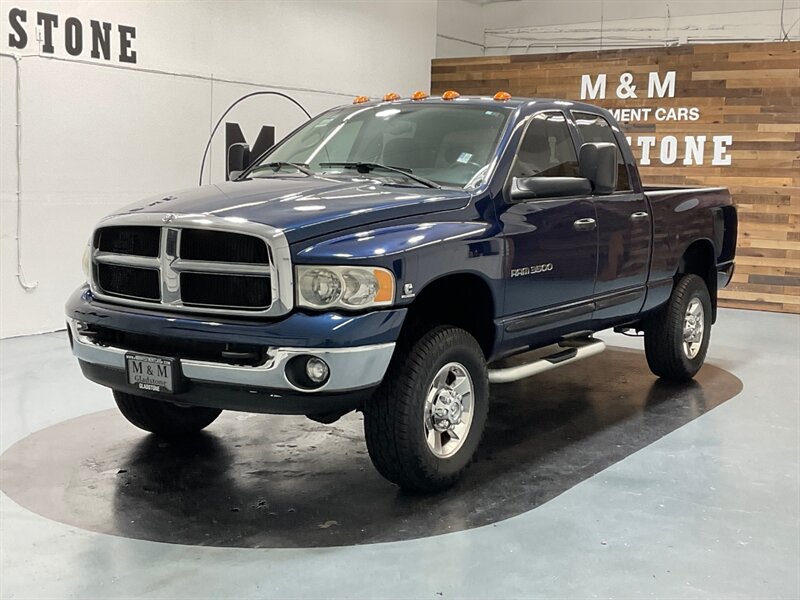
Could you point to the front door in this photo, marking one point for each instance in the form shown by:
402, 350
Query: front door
551, 244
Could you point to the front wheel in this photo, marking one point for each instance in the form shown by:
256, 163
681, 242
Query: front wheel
425, 422
163, 418
676, 338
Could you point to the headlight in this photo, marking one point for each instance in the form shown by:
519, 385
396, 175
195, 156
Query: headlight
86, 263
344, 287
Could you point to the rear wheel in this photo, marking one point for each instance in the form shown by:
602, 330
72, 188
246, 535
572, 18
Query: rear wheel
676, 338
163, 418
425, 422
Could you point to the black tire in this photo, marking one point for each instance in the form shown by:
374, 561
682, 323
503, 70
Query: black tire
663, 332
394, 418
163, 418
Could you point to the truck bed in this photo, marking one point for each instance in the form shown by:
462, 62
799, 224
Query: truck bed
686, 214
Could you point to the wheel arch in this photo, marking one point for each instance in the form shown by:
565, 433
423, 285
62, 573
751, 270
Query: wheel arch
699, 259
462, 299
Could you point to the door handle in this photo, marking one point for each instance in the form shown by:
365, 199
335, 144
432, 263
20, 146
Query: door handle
639, 216
584, 224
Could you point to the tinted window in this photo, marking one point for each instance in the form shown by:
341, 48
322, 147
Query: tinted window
546, 149
593, 129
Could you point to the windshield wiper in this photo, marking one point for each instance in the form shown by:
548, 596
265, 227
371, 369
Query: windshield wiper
367, 167
277, 166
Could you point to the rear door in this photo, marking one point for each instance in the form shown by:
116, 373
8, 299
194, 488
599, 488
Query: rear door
551, 242
624, 231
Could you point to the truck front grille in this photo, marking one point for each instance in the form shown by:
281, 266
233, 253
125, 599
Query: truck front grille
137, 241
129, 281
207, 289
183, 268
222, 246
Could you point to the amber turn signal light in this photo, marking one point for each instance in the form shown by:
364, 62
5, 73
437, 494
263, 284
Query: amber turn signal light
420, 95
450, 95
360, 99
502, 96
391, 96
385, 286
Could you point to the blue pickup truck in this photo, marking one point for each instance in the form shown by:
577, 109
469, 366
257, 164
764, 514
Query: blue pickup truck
387, 256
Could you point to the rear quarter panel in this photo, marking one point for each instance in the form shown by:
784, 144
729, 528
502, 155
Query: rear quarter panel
682, 216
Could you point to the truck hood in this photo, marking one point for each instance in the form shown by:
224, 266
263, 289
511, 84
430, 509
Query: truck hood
305, 207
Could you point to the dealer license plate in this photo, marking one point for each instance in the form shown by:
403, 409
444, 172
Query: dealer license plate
151, 373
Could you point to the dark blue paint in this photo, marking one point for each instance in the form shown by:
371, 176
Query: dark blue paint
304, 330
424, 234
306, 207
389, 241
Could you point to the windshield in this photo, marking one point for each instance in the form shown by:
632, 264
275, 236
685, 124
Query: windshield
449, 145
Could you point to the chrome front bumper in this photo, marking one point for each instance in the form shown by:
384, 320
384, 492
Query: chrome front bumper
352, 368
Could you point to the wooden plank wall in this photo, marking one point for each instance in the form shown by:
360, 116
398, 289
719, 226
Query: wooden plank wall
748, 91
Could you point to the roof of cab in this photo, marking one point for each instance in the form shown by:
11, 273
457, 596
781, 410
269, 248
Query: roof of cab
489, 102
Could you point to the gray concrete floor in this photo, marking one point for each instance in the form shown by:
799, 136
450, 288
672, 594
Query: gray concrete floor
711, 510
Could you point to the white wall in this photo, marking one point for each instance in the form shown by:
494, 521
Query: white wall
459, 28
528, 27
535, 26
98, 135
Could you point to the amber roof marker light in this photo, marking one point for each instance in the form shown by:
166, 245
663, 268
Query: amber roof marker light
360, 99
419, 95
450, 95
502, 96
391, 96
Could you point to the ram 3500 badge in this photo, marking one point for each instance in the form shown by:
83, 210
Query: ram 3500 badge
383, 258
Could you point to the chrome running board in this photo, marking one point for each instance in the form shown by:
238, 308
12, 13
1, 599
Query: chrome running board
572, 350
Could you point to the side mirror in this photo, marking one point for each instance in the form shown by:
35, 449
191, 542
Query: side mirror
238, 160
598, 164
529, 188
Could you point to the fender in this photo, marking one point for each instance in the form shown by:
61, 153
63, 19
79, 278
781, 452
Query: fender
449, 247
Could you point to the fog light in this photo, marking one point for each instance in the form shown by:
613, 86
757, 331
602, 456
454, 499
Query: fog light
317, 370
